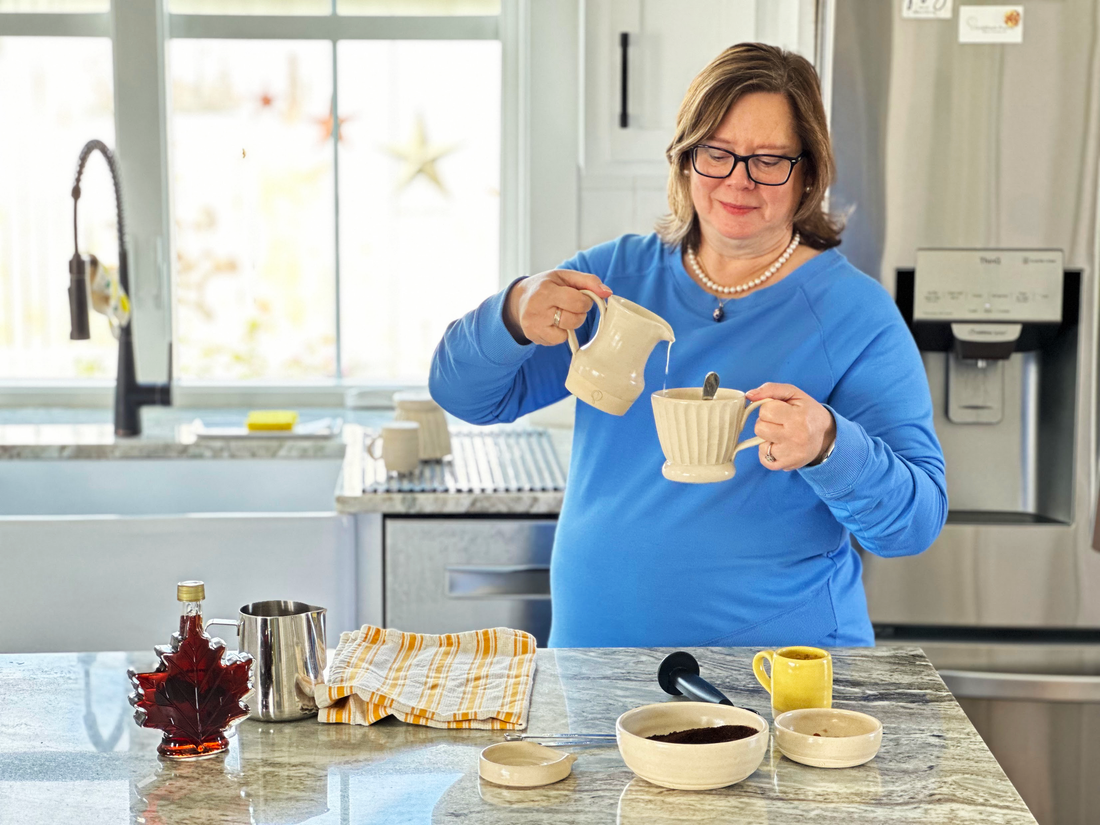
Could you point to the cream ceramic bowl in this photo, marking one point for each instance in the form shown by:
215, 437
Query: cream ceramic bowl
690, 767
828, 737
524, 764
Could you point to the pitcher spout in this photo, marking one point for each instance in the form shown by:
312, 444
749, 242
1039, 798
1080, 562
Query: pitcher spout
655, 327
666, 332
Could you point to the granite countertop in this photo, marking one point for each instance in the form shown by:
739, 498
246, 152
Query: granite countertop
352, 497
170, 433
69, 751
167, 432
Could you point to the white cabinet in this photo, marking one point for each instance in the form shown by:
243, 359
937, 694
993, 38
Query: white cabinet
668, 43
623, 170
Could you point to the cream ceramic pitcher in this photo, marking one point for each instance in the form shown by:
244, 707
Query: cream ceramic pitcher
609, 371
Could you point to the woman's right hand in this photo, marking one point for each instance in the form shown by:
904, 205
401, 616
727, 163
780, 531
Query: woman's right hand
534, 301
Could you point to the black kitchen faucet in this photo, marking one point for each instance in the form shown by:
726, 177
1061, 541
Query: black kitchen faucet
130, 396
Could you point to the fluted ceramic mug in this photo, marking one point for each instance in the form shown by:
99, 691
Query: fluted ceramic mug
699, 438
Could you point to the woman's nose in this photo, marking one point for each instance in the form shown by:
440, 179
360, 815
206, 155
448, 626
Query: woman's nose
739, 177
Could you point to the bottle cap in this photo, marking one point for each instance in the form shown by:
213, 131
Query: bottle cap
190, 592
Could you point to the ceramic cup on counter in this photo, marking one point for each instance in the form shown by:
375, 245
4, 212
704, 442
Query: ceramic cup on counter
801, 677
699, 437
609, 371
418, 406
399, 442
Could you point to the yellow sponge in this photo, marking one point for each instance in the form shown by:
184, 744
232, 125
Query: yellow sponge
271, 420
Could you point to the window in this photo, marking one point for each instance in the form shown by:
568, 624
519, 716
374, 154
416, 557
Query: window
56, 93
419, 198
332, 183
253, 209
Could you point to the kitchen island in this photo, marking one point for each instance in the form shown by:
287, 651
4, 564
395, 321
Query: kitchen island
70, 752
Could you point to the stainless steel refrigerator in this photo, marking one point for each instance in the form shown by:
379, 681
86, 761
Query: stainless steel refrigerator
990, 151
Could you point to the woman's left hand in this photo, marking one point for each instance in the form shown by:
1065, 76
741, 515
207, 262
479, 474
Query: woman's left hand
797, 428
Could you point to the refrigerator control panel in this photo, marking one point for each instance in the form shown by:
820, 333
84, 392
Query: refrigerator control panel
1023, 285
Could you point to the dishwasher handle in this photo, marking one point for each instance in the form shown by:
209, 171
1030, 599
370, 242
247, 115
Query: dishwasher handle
1026, 687
514, 581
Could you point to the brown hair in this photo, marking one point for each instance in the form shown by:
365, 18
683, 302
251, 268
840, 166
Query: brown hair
736, 72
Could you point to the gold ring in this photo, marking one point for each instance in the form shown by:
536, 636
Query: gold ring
768, 457
557, 317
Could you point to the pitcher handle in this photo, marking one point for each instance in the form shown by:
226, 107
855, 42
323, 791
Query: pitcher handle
755, 440
234, 623
574, 344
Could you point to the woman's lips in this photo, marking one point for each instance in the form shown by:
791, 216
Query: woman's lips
735, 209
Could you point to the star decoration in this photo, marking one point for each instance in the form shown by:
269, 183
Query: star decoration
420, 157
266, 100
327, 124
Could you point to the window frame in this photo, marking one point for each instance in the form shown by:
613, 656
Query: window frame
139, 34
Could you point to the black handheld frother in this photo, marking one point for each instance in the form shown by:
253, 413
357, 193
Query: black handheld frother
679, 676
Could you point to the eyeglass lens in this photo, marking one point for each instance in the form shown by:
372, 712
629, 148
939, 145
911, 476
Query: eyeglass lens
770, 170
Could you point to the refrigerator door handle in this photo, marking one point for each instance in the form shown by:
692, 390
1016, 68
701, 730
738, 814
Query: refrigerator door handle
1027, 687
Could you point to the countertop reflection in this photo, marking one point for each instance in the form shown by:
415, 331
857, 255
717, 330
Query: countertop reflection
69, 751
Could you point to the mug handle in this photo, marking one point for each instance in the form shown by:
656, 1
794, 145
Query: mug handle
758, 667
369, 449
574, 344
755, 440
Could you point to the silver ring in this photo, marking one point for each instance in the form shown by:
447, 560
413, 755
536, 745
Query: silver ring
768, 457
557, 317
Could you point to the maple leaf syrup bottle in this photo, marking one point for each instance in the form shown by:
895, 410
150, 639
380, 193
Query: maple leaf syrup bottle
196, 692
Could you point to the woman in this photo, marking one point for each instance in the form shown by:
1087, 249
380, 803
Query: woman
746, 271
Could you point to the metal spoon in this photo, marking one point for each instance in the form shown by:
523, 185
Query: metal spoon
710, 386
565, 740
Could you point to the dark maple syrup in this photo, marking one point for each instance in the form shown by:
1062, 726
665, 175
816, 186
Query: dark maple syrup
195, 693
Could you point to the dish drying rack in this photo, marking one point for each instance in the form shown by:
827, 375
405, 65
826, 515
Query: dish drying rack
485, 460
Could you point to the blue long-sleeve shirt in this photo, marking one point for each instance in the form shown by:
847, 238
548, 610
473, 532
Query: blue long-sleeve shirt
763, 559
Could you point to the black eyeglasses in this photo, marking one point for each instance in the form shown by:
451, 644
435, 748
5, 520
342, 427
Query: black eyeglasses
766, 170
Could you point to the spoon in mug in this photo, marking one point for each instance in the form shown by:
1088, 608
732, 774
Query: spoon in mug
710, 386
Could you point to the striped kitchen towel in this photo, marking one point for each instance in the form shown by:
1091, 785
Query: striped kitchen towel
479, 679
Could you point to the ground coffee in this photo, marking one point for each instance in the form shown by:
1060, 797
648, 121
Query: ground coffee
705, 736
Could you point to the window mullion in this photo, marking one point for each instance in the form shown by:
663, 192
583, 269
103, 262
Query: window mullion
336, 205
139, 42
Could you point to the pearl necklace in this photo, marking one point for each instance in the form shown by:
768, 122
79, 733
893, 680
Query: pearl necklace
730, 290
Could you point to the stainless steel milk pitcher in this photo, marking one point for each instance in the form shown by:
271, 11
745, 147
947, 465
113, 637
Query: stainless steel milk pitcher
287, 643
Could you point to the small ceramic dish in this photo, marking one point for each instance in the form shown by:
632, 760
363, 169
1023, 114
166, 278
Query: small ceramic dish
690, 767
524, 764
828, 737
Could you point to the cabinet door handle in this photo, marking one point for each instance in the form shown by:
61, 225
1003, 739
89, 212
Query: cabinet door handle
624, 46
518, 581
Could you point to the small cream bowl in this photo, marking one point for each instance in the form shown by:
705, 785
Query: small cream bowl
690, 767
828, 737
524, 764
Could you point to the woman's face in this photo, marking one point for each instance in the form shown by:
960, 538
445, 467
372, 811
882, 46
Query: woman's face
759, 123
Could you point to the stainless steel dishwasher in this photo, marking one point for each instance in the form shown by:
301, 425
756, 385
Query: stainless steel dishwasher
1035, 699
446, 574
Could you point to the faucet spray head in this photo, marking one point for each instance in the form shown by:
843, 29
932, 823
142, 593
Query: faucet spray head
78, 299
